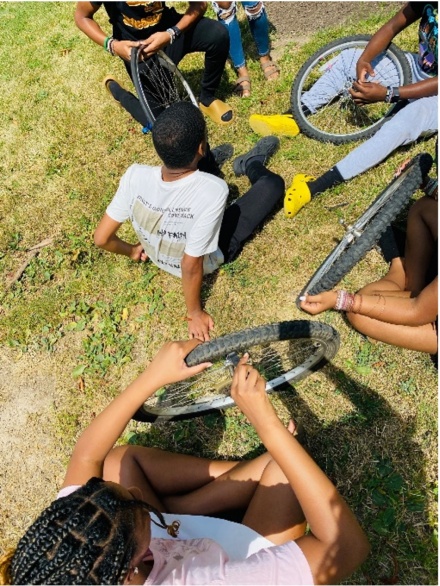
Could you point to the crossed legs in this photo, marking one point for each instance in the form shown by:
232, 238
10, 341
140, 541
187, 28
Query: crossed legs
406, 278
182, 484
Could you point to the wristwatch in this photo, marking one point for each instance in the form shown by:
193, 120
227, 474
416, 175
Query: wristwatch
174, 33
392, 95
177, 32
395, 97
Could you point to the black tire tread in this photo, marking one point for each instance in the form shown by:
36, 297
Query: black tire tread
355, 252
239, 341
301, 119
243, 340
134, 61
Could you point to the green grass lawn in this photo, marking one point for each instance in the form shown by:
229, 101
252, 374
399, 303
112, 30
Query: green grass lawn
370, 416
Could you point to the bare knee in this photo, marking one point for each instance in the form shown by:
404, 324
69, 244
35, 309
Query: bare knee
225, 11
357, 321
113, 462
424, 210
255, 11
122, 458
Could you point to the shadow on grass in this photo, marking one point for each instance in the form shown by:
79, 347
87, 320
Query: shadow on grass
370, 454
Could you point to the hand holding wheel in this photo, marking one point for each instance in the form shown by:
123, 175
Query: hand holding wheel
282, 353
321, 101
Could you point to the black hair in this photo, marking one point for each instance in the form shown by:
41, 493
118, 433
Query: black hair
86, 537
177, 134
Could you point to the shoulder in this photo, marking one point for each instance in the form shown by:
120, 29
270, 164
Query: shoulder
214, 183
141, 172
280, 564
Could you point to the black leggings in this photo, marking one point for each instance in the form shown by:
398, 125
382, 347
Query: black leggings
249, 212
207, 36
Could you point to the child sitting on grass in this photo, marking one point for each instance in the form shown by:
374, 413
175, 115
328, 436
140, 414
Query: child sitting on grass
99, 530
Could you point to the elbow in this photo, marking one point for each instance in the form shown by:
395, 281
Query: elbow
100, 239
192, 266
78, 19
364, 549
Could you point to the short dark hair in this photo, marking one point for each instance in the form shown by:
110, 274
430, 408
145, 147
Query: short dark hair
177, 134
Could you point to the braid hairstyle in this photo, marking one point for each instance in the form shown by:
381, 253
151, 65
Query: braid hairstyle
86, 537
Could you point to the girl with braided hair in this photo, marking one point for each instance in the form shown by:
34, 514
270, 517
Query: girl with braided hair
100, 529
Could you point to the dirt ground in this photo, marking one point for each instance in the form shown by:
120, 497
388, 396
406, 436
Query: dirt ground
297, 21
31, 456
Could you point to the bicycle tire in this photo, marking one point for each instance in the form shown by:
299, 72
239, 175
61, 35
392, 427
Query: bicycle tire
365, 232
341, 120
158, 82
284, 352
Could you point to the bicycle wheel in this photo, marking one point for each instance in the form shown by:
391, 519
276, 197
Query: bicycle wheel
322, 85
282, 352
158, 83
364, 233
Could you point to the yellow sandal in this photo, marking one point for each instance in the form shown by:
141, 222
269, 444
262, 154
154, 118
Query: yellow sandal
278, 124
219, 112
298, 195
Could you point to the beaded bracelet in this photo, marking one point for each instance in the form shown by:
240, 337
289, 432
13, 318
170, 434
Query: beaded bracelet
110, 47
344, 301
106, 40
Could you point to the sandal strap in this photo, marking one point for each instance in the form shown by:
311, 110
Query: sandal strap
269, 68
267, 64
241, 79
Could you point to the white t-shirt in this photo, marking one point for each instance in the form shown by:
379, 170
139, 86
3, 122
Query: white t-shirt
173, 218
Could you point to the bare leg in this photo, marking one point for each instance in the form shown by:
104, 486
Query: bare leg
420, 338
185, 484
274, 510
421, 236
156, 473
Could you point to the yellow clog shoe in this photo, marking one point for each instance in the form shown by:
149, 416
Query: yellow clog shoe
298, 195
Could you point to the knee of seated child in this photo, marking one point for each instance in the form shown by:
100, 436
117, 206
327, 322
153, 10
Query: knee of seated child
356, 320
424, 205
115, 456
412, 121
225, 11
254, 10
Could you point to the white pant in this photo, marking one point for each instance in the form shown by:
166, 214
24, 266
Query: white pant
413, 121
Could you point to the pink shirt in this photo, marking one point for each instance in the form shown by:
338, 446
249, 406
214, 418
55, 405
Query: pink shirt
203, 561
215, 551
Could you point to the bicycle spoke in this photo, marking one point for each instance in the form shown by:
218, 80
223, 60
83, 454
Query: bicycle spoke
325, 91
271, 361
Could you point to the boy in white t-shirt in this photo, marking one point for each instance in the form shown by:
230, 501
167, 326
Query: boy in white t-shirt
178, 212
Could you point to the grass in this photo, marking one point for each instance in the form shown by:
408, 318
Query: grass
370, 416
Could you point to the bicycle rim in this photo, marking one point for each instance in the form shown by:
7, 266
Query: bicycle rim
364, 233
340, 119
278, 361
355, 231
159, 83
